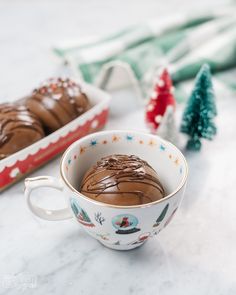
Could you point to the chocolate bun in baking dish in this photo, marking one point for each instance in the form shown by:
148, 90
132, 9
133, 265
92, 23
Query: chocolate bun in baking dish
57, 102
19, 128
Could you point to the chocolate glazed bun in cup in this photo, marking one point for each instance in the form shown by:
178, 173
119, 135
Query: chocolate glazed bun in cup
19, 128
57, 102
122, 180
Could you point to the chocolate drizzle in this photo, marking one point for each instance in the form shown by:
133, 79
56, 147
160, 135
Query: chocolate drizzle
57, 102
51, 106
122, 180
15, 118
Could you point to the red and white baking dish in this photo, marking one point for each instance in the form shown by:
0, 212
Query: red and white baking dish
30, 158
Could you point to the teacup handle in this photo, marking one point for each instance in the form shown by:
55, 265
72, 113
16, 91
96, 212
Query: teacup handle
45, 181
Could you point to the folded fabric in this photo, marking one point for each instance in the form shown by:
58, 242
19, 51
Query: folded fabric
182, 43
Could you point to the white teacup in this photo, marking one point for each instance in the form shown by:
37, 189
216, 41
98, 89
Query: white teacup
102, 221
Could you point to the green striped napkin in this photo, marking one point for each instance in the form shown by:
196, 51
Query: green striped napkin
182, 43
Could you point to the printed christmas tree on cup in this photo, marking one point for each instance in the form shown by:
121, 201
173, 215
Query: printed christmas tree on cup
161, 216
200, 111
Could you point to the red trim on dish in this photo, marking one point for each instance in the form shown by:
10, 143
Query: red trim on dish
45, 154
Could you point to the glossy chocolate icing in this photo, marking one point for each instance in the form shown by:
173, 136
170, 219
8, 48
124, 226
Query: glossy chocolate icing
57, 102
122, 180
18, 129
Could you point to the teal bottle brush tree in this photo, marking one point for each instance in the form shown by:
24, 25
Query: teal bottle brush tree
198, 116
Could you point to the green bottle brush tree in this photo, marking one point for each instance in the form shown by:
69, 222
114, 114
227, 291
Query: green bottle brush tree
198, 116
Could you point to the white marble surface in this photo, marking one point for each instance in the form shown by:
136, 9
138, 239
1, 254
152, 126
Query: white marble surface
195, 254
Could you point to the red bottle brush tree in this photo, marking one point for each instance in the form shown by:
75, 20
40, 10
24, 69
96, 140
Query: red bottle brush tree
161, 98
